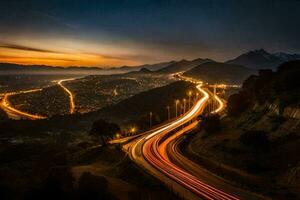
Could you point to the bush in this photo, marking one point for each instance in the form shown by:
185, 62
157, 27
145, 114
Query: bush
103, 129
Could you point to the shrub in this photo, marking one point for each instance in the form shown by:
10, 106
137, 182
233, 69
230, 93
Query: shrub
103, 129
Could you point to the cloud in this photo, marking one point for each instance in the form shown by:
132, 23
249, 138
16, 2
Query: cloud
25, 48
28, 57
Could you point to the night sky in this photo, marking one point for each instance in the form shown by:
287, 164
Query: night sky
115, 33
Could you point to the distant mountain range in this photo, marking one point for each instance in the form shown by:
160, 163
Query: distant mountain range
151, 67
183, 65
215, 72
17, 67
8, 68
256, 59
261, 59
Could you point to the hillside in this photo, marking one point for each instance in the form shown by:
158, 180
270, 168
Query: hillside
127, 111
281, 87
214, 72
260, 132
154, 100
151, 67
183, 65
261, 59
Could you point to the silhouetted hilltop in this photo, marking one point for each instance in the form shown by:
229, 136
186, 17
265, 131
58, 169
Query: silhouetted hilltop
281, 87
261, 59
154, 100
183, 65
151, 67
215, 72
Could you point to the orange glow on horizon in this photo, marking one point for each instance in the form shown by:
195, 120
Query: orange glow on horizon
25, 57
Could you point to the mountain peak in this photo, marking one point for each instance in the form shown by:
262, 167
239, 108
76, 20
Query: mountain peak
260, 51
261, 59
145, 70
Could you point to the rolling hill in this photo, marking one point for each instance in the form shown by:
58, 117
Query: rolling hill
183, 65
215, 72
154, 100
151, 67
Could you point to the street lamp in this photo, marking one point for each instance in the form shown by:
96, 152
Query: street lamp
168, 109
176, 104
184, 103
190, 94
133, 130
150, 119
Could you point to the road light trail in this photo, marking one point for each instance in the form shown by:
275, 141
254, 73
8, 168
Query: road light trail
11, 111
170, 152
220, 103
70, 94
151, 152
156, 156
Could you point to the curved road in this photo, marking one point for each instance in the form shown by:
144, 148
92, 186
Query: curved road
157, 152
15, 113
148, 149
70, 94
170, 150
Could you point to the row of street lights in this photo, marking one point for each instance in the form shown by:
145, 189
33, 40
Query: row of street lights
177, 102
182, 109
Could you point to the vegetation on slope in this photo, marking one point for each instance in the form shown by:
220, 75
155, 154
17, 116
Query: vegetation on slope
282, 87
263, 141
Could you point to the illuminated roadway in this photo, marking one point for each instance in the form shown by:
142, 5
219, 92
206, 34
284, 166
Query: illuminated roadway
15, 113
148, 149
170, 151
157, 152
70, 94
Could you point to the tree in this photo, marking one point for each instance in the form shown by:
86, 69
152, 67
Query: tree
103, 129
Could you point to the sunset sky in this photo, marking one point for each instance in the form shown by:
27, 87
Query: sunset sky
115, 33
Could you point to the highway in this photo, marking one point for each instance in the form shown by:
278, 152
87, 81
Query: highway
15, 113
70, 94
171, 151
157, 152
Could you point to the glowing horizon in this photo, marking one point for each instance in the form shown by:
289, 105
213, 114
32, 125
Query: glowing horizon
113, 34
